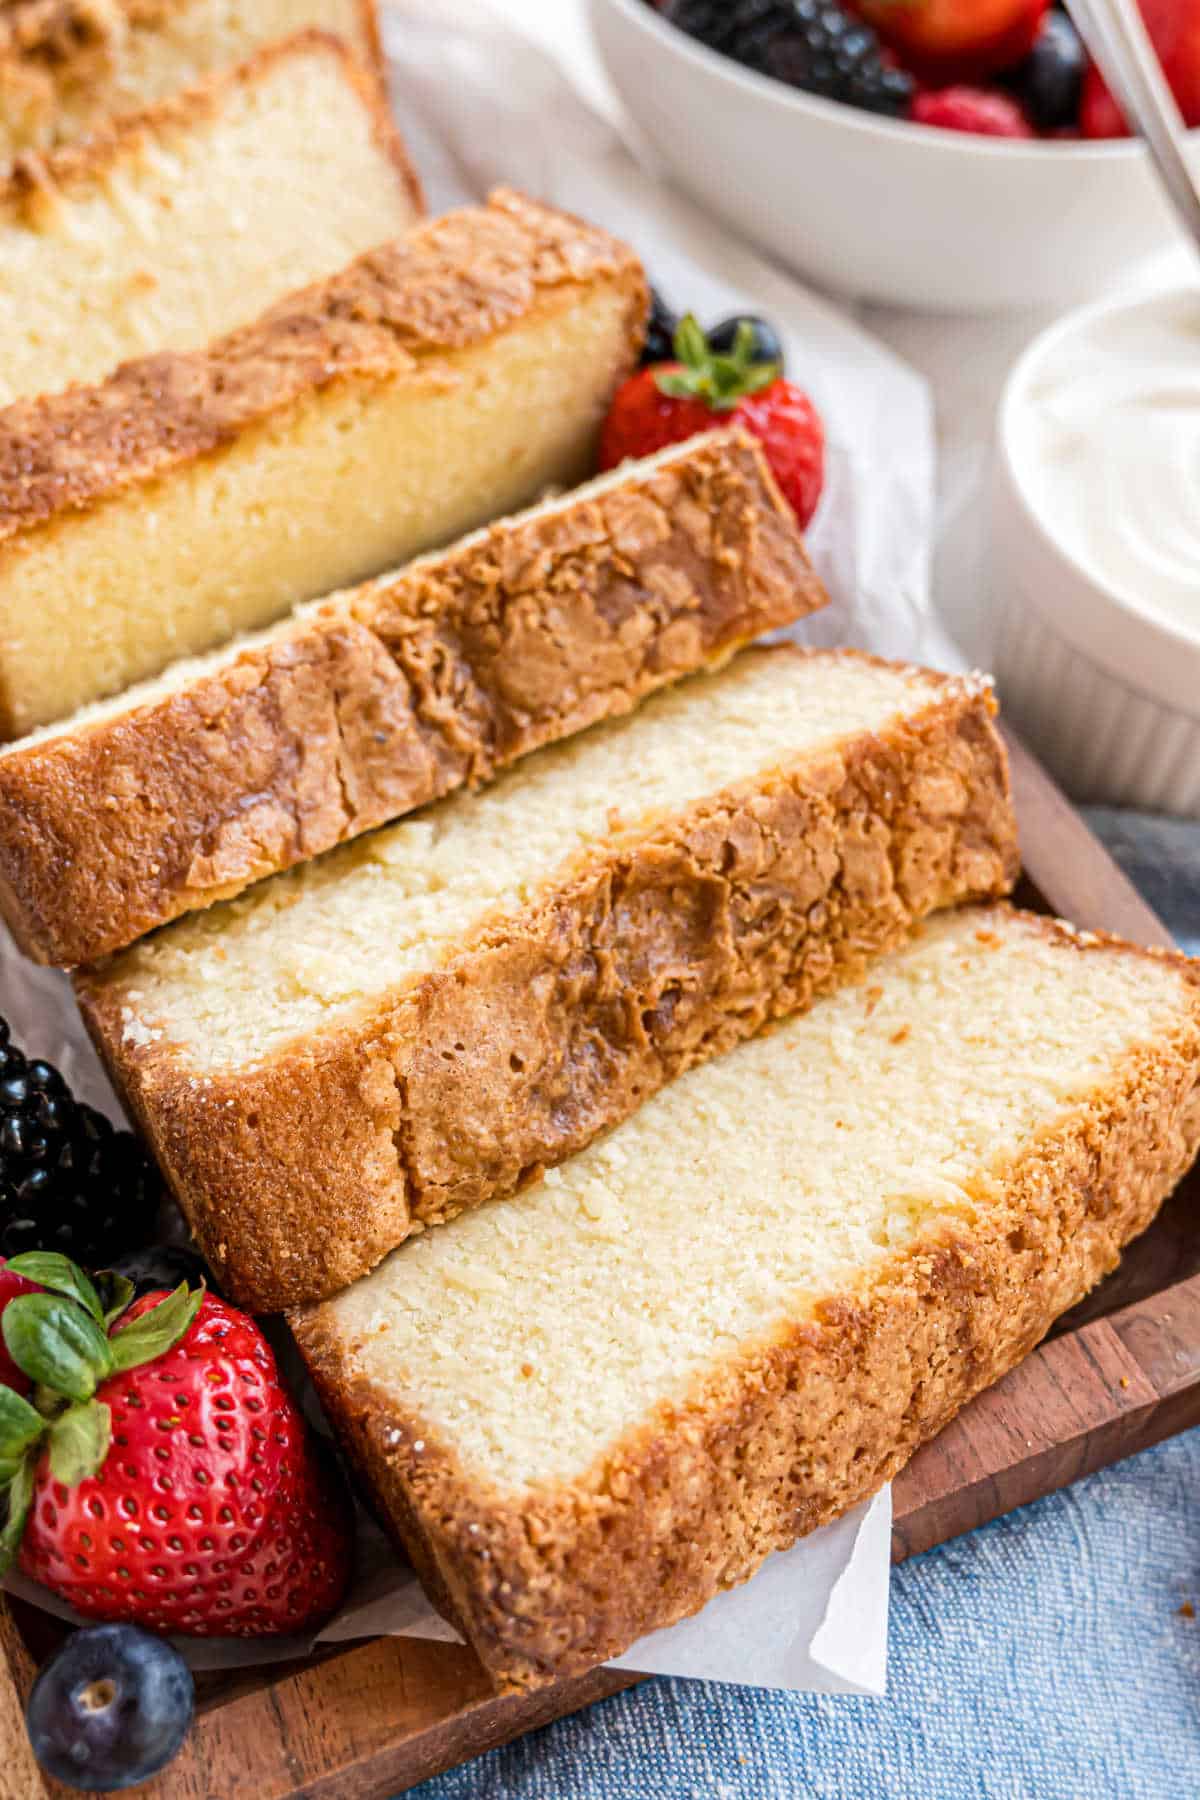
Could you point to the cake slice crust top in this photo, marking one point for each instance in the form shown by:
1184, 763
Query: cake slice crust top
744, 1196
588, 1411
190, 788
447, 378
427, 1017
320, 945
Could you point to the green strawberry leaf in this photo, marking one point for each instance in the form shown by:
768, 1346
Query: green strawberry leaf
690, 344
157, 1330
20, 1425
116, 1291
20, 1498
717, 379
47, 1400
52, 1270
79, 1440
57, 1344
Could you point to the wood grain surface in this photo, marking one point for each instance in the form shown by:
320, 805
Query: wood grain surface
1117, 1375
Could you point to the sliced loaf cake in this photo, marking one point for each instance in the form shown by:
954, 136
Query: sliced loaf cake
67, 66
365, 706
423, 1018
438, 382
180, 223
588, 1411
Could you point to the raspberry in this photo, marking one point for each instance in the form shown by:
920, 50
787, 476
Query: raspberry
972, 109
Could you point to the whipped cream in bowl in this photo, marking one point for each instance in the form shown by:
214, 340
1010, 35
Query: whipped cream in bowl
1105, 438
1096, 550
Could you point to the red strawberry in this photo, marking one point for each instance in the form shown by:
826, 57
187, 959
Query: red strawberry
183, 1493
12, 1284
983, 110
705, 389
1174, 27
945, 41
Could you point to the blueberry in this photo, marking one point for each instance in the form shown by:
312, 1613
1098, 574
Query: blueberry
110, 1708
162, 1266
660, 331
1049, 82
767, 344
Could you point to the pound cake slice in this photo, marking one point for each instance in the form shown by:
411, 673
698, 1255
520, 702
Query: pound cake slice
372, 703
435, 383
66, 66
588, 1411
424, 1018
182, 222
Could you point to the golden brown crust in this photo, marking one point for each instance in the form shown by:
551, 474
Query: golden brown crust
36, 181
451, 283
63, 63
415, 685
794, 1431
648, 956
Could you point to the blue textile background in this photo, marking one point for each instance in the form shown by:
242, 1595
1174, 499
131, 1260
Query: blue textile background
1045, 1657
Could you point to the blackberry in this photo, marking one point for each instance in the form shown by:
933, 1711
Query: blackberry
68, 1180
154, 1266
814, 45
737, 28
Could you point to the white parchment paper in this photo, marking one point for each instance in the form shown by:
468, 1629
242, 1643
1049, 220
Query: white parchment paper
480, 105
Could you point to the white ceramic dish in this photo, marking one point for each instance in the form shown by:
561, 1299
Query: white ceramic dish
878, 207
1102, 687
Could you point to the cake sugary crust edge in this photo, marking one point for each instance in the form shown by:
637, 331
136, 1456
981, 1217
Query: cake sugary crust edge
37, 179
799, 1428
121, 826
649, 954
449, 284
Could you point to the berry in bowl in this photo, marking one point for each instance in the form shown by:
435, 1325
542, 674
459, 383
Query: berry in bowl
948, 154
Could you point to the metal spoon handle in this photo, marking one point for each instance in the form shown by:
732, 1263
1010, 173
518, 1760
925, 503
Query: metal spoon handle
1115, 33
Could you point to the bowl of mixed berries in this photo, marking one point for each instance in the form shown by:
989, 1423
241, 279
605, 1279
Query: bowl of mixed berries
935, 153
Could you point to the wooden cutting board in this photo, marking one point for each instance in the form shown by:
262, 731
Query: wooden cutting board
1116, 1375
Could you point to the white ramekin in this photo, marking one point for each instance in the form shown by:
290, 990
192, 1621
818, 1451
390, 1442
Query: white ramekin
1105, 694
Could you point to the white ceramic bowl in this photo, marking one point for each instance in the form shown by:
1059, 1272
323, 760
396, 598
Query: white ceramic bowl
1105, 692
879, 207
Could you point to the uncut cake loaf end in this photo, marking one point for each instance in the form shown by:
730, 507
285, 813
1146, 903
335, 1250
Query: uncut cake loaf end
188, 789
420, 1020
588, 1411
437, 382
174, 225
68, 66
